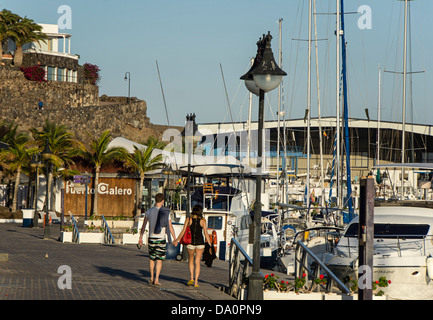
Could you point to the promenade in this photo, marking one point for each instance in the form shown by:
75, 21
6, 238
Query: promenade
98, 272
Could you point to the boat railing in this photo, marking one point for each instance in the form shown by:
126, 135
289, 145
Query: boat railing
386, 245
240, 266
306, 262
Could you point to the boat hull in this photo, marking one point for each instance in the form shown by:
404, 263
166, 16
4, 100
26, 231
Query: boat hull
408, 282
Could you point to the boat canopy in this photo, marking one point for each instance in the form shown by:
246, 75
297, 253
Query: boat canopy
412, 165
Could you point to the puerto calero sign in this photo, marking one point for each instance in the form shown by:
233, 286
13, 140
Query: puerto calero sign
116, 196
103, 188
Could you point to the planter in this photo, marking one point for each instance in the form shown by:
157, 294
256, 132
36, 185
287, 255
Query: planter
129, 238
66, 236
92, 237
112, 224
274, 295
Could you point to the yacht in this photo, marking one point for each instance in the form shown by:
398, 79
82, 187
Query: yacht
403, 245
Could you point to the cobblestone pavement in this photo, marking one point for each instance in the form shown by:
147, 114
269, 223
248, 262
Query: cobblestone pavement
99, 272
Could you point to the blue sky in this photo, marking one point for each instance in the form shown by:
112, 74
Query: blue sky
196, 42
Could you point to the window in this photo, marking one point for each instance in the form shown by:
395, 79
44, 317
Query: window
388, 230
51, 73
60, 74
215, 222
245, 222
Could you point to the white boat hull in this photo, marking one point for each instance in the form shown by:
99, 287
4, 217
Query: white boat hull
408, 276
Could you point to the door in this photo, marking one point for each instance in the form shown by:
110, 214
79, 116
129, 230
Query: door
218, 223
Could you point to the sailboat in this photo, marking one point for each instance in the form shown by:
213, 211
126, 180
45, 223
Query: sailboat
403, 233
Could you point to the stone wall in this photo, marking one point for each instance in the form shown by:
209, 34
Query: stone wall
73, 105
34, 59
17, 91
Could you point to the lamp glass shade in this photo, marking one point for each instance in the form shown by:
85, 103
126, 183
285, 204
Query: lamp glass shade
267, 82
46, 153
252, 87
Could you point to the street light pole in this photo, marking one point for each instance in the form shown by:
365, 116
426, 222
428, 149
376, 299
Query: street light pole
46, 154
264, 76
36, 163
128, 77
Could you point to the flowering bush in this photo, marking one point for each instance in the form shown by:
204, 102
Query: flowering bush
93, 228
271, 282
300, 282
381, 283
91, 73
34, 73
320, 280
68, 228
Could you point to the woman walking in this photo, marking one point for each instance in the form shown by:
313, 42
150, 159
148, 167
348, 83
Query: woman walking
197, 225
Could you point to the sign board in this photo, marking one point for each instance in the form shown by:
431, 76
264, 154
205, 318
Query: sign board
81, 179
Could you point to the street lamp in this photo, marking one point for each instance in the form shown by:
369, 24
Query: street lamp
46, 154
168, 170
128, 77
264, 75
36, 163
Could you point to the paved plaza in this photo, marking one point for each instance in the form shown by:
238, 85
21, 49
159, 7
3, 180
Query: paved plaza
37, 269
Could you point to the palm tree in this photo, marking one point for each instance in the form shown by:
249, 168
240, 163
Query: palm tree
142, 161
29, 31
8, 27
15, 159
64, 147
98, 155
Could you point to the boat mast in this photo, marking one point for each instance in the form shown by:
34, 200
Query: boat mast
346, 118
249, 123
404, 98
308, 106
279, 113
337, 115
378, 123
322, 173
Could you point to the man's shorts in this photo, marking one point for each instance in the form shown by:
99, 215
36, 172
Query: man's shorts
157, 249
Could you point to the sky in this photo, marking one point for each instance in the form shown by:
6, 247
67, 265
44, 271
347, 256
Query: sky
203, 47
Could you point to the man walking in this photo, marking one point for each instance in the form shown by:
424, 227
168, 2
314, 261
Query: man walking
159, 227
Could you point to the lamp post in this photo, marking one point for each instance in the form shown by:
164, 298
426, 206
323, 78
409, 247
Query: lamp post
128, 77
264, 76
36, 163
168, 170
46, 154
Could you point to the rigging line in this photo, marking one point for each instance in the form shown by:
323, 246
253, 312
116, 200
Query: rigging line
228, 102
365, 69
162, 91
166, 112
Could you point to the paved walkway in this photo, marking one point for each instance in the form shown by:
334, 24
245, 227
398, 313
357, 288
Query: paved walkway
99, 272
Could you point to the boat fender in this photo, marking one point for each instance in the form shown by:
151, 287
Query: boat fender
429, 265
214, 239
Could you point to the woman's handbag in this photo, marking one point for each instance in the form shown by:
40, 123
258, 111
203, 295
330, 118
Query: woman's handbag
186, 239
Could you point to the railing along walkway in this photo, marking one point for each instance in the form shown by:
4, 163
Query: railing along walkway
108, 237
75, 232
304, 254
240, 266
